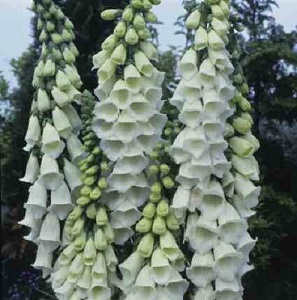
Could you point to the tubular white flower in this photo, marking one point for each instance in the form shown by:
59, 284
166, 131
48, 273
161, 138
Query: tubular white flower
75, 148
43, 260
143, 64
206, 293
132, 78
33, 133
161, 269
201, 38
51, 142
61, 122
72, 177
32, 169
50, 176
61, 203
103, 90
73, 118
37, 201
60, 97
188, 64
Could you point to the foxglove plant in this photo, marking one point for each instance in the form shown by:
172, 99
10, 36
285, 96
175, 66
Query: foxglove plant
52, 134
213, 198
85, 268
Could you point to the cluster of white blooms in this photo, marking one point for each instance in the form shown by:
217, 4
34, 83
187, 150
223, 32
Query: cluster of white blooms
216, 194
86, 267
52, 135
127, 118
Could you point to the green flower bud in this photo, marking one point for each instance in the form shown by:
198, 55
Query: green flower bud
83, 200
43, 101
241, 146
96, 151
151, 17
149, 210
80, 241
138, 22
109, 233
217, 12
40, 24
110, 14
49, 68
168, 182
90, 180
68, 56
128, 14
56, 38
154, 154
244, 104
172, 222
225, 8
146, 245
238, 79
119, 55
229, 131
43, 36
68, 24
110, 43
57, 54
193, 19
39, 69
159, 226
248, 117
154, 169
167, 131
144, 34
100, 240
144, 225
163, 208
50, 26
66, 35
78, 227
131, 37
84, 167
241, 125
93, 170
75, 214
85, 191
101, 217
245, 89
156, 188
40, 8
120, 30
95, 194
147, 5
155, 198
104, 166
90, 158
156, 2
137, 4
102, 183
91, 211
89, 253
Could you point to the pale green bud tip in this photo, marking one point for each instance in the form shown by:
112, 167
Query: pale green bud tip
241, 125
101, 217
165, 169
84, 200
156, 188
153, 169
90, 180
172, 222
92, 171
159, 226
163, 208
146, 245
102, 183
95, 194
128, 14
144, 225
85, 191
168, 182
149, 210
131, 37
110, 14
91, 211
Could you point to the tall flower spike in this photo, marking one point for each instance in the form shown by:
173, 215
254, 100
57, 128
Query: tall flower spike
53, 119
212, 199
127, 119
87, 261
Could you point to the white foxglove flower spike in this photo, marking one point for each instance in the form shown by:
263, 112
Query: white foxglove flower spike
33, 133
32, 169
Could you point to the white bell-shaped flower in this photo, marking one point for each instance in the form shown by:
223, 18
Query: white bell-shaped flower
50, 176
61, 122
107, 111
126, 128
232, 226
43, 259
228, 184
76, 268
213, 203
73, 118
228, 261
192, 88
59, 276
32, 223
111, 259
84, 282
50, 232
149, 50
43, 101
72, 177
100, 58
161, 269
131, 165
178, 98
243, 206
104, 130
143, 64
61, 203
176, 286
207, 71
60, 97
75, 148
122, 235
201, 272
32, 169
33, 133
122, 182
62, 81
219, 27
120, 94
227, 290
201, 38
191, 113
206, 293
100, 292
215, 41
133, 78
64, 291
180, 202
248, 167
204, 235
113, 148
106, 71
37, 201
131, 267
140, 108
221, 60
169, 246
51, 142
67, 255
188, 64
225, 88
245, 245
104, 88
